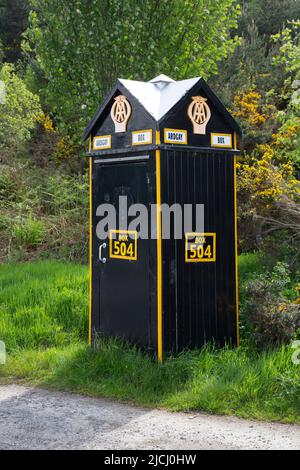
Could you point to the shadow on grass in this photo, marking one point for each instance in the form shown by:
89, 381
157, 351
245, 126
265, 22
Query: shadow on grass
117, 370
238, 382
241, 382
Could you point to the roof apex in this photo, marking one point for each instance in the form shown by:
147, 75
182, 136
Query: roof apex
160, 94
162, 78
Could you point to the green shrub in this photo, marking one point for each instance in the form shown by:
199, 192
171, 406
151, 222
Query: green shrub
29, 233
61, 193
20, 111
269, 317
8, 185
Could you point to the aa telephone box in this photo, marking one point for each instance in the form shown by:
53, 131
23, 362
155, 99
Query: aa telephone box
156, 148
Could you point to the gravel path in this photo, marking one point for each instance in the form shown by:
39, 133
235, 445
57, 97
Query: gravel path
32, 418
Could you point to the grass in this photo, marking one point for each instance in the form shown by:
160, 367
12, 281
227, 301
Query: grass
43, 304
238, 382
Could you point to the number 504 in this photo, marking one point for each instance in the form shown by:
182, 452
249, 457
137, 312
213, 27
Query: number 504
123, 249
200, 247
200, 252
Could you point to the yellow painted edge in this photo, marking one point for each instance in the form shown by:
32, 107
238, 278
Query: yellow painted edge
159, 255
91, 242
235, 141
236, 245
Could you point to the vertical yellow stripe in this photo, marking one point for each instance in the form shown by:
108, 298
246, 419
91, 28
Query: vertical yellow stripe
91, 243
236, 244
235, 141
159, 255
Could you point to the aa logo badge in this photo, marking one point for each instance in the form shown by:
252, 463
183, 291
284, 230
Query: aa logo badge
200, 114
120, 113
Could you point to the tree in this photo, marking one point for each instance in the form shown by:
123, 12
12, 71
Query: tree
287, 139
289, 57
84, 45
19, 111
251, 63
270, 15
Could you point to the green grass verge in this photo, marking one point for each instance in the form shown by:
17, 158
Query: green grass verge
43, 304
239, 382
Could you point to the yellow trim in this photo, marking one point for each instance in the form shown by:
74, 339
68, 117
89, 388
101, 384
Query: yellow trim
124, 232
193, 234
102, 147
159, 255
213, 134
90, 244
236, 245
167, 141
235, 141
141, 132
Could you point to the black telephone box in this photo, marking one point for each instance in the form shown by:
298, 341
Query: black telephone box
163, 224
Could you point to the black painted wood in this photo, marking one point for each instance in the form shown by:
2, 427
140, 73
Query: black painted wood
199, 299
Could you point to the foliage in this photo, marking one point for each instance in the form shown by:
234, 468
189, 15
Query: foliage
44, 141
252, 63
269, 198
43, 211
247, 108
83, 46
266, 184
269, 15
65, 150
289, 57
256, 116
8, 185
270, 318
19, 113
287, 139
29, 233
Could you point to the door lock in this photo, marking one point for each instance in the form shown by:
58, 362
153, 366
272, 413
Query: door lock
102, 259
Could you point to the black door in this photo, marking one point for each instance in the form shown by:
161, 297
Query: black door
122, 260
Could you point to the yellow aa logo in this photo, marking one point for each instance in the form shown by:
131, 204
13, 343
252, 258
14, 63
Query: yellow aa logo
199, 113
120, 113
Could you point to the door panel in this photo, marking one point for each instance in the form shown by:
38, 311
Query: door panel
124, 278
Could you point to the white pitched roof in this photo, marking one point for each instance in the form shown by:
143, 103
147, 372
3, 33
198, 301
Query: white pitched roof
160, 94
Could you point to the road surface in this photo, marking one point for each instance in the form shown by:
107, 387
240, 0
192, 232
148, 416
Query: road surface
32, 418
